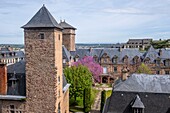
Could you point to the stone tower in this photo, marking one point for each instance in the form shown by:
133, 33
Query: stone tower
68, 35
43, 54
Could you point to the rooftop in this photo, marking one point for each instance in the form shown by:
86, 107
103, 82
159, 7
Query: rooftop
145, 83
42, 19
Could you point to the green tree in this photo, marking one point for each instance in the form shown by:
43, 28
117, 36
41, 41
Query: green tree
87, 99
161, 44
143, 69
80, 78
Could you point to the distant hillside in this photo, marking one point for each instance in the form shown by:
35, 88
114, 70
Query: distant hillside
161, 44
12, 45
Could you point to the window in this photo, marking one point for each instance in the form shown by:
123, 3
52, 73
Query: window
167, 63
157, 72
115, 60
104, 70
59, 37
12, 109
104, 60
115, 69
64, 60
59, 93
158, 62
76, 59
59, 108
138, 110
167, 72
59, 79
41, 35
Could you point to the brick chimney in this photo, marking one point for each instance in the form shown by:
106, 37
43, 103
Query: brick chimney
3, 79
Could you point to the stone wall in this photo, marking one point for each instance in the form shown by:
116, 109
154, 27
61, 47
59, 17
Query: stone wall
8, 106
69, 39
43, 70
65, 106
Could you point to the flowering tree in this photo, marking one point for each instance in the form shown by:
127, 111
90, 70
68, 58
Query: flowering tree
94, 67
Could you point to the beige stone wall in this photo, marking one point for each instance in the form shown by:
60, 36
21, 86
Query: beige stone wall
8, 106
69, 39
43, 70
65, 108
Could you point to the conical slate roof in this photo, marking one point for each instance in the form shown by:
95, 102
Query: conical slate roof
138, 103
42, 19
65, 25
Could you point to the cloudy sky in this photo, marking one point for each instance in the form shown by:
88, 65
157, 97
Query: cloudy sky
97, 21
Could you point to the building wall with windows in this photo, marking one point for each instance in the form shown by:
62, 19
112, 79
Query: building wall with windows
10, 57
118, 62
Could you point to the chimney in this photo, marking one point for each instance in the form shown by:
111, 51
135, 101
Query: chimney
90, 49
120, 49
3, 79
160, 52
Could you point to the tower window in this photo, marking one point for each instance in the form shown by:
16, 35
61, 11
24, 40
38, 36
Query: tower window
59, 79
41, 36
59, 37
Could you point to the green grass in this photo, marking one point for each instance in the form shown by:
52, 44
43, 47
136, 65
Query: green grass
108, 93
93, 96
78, 102
76, 109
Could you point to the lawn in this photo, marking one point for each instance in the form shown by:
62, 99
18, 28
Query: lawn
108, 93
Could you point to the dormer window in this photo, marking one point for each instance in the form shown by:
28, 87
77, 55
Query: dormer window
158, 61
167, 62
135, 59
76, 58
95, 58
147, 60
105, 58
125, 59
137, 110
137, 105
114, 60
64, 60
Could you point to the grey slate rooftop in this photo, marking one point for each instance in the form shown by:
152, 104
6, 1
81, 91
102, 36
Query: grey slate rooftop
42, 19
145, 83
65, 25
18, 67
148, 92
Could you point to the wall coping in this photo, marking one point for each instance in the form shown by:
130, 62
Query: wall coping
12, 97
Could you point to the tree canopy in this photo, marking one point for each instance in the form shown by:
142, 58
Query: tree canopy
94, 67
143, 69
161, 44
80, 78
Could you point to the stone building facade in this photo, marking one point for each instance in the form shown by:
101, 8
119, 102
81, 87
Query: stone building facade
138, 43
9, 56
46, 87
121, 62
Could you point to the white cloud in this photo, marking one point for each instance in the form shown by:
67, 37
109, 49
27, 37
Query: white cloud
124, 11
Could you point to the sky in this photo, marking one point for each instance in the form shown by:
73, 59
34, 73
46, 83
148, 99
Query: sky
97, 21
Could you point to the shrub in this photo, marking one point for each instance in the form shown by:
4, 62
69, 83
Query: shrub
87, 100
103, 99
